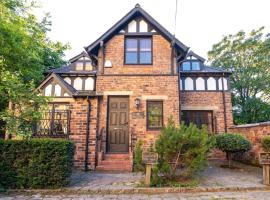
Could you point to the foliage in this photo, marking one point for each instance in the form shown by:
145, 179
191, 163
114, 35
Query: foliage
25, 104
253, 110
184, 147
24, 44
138, 165
232, 143
266, 143
25, 49
35, 163
247, 56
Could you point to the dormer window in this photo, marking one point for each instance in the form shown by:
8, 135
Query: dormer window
138, 50
191, 65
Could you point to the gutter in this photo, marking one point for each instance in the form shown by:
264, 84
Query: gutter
87, 134
224, 105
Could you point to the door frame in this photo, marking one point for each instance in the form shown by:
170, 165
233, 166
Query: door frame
107, 123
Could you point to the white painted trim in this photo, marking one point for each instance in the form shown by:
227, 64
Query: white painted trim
118, 92
183, 107
155, 97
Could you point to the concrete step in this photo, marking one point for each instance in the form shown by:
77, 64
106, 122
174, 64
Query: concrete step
116, 157
115, 162
114, 167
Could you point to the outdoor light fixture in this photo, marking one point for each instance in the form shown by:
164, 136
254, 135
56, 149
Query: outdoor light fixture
137, 103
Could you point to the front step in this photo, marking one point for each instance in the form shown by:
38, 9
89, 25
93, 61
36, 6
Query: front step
115, 163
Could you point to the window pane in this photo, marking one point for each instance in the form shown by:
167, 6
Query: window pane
154, 114
131, 44
145, 57
186, 66
131, 57
145, 44
195, 66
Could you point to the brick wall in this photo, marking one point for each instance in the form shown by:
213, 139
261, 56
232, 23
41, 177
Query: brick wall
194, 100
253, 132
78, 123
145, 88
114, 51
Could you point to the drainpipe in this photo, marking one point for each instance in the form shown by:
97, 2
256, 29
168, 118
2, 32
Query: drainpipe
87, 134
97, 131
224, 104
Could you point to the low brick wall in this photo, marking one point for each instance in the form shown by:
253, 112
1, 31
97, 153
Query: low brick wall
253, 132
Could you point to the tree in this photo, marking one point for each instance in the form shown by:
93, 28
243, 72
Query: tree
184, 147
26, 105
25, 50
247, 56
232, 143
24, 44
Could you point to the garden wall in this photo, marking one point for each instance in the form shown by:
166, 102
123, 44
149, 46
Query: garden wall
253, 132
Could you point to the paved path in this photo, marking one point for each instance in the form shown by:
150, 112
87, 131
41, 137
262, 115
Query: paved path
259, 195
213, 176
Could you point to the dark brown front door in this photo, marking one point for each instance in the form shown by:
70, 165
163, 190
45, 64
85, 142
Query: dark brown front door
118, 135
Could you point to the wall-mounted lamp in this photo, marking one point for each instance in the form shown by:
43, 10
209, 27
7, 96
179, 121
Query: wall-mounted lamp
137, 103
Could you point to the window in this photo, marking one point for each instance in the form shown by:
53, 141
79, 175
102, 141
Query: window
138, 51
195, 66
186, 66
199, 118
191, 65
154, 114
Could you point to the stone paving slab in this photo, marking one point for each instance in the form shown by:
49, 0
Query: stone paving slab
213, 176
254, 195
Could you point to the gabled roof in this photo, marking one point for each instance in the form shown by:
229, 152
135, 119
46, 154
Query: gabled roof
191, 53
207, 69
77, 57
68, 70
71, 90
137, 11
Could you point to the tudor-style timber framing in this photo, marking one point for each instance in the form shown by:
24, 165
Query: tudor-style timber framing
102, 128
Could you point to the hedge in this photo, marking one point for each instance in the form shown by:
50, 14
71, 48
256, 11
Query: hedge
35, 163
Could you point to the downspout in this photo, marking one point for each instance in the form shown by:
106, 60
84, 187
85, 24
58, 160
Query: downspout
87, 134
179, 96
224, 104
97, 131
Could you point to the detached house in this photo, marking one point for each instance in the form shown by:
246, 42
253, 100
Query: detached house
125, 86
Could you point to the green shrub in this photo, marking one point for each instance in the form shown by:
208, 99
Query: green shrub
266, 143
138, 165
35, 163
232, 143
183, 149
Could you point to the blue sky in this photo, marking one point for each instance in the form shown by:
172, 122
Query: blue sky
200, 23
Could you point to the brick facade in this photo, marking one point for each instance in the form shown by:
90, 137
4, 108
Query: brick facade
212, 101
156, 81
78, 125
114, 51
145, 88
254, 133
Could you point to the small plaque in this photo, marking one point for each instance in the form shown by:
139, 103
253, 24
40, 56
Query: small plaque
149, 157
137, 115
264, 158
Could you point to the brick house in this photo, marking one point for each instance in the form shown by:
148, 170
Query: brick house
125, 86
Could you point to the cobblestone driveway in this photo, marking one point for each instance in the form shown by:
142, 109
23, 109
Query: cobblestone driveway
259, 195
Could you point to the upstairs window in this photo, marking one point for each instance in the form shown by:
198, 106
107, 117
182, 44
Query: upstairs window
138, 51
191, 66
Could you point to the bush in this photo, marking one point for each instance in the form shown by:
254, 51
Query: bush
266, 143
183, 148
232, 143
138, 165
35, 163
